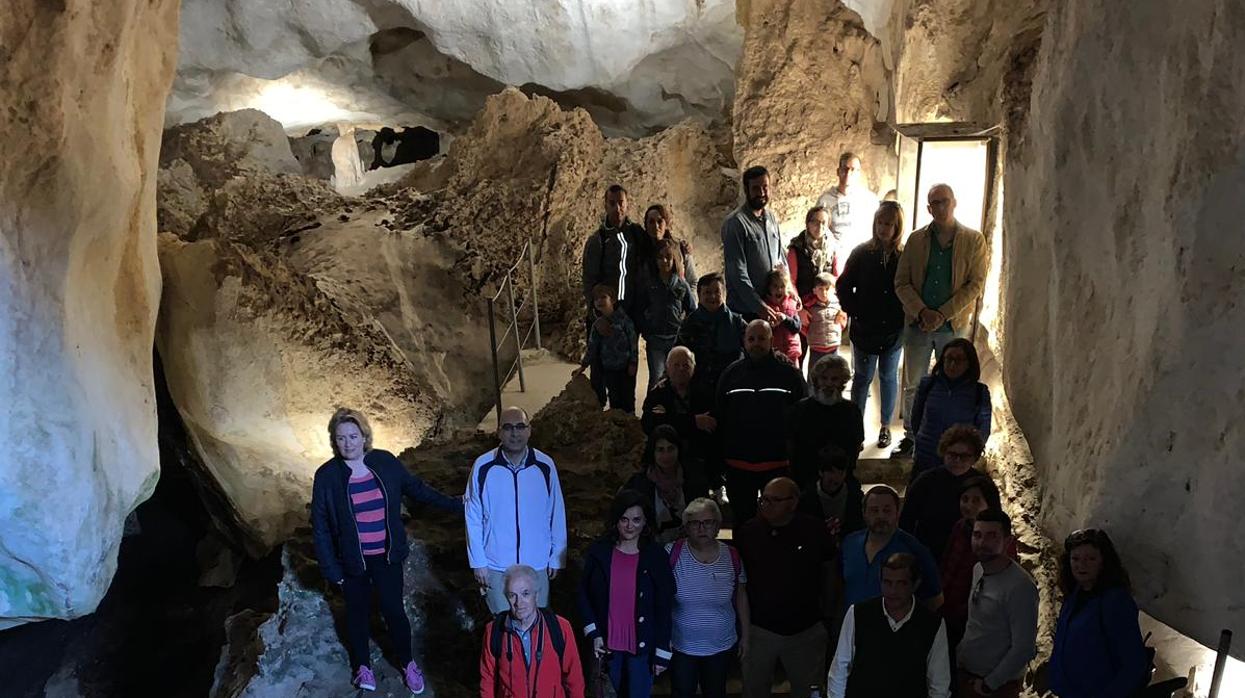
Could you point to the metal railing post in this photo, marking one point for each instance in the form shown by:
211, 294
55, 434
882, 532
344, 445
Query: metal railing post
492, 344
518, 338
531, 258
1221, 662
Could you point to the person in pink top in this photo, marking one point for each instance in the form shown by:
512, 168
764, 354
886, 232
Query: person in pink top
626, 598
780, 298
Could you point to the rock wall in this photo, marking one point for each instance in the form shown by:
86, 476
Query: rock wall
82, 87
1122, 337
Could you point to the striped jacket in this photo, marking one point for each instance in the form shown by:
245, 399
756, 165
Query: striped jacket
752, 403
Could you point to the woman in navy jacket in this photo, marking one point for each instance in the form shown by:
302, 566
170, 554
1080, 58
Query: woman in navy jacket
952, 394
626, 596
1098, 649
356, 523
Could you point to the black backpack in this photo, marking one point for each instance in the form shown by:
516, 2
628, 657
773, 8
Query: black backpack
551, 622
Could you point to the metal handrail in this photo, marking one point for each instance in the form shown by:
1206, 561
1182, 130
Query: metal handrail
512, 324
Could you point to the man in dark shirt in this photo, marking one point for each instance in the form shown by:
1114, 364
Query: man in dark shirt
787, 555
824, 417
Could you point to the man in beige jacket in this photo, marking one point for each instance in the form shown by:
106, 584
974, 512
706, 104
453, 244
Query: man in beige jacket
941, 274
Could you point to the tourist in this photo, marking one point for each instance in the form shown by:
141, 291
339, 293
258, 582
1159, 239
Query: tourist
837, 497
863, 552
977, 494
626, 597
940, 276
684, 403
360, 540
666, 301
952, 394
892, 646
613, 353
713, 332
824, 417
822, 320
866, 290
751, 248
785, 307
611, 253
710, 601
1099, 652
810, 254
932, 504
753, 397
850, 204
787, 555
528, 650
659, 225
1001, 637
515, 512
662, 483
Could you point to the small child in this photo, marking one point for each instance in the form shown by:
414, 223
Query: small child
823, 320
713, 332
613, 352
780, 297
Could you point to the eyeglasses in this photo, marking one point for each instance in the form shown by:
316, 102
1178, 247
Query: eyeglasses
521, 426
767, 499
706, 523
959, 455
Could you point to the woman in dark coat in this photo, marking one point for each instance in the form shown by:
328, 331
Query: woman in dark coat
951, 394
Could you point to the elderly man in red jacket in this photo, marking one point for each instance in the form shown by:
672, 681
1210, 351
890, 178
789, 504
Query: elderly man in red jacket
528, 650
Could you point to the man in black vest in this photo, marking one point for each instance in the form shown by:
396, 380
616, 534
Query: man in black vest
892, 647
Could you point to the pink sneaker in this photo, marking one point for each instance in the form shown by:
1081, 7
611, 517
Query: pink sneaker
364, 679
414, 678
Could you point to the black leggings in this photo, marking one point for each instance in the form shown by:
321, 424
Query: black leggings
386, 579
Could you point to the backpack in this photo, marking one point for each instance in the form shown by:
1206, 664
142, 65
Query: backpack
551, 622
676, 551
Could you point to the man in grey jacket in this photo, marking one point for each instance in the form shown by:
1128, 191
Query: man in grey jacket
610, 254
751, 247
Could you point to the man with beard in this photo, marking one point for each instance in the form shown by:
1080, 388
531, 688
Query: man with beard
753, 397
864, 552
823, 418
751, 248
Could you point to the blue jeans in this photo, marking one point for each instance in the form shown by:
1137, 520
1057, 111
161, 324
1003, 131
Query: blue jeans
918, 347
864, 366
656, 349
686, 671
630, 674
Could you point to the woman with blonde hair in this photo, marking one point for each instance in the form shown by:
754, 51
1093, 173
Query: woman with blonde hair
360, 542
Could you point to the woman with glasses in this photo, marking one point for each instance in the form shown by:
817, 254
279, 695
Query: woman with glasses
952, 394
662, 483
1098, 649
932, 504
710, 602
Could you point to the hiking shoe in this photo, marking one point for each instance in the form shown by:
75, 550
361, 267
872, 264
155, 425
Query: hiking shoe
884, 438
904, 449
364, 679
414, 678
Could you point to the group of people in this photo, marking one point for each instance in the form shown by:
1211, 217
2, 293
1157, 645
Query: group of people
866, 593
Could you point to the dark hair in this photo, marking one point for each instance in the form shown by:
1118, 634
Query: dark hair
904, 561
814, 211
604, 290
989, 490
754, 172
995, 516
663, 432
879, 490
846, 158
777, 274
615, 189
831, 457
661, 211
624, 500
824, 278
1113, 574
961, 434
710, 278
676, 253
974, 364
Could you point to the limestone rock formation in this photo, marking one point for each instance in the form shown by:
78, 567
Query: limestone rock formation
82, 88
1123, 294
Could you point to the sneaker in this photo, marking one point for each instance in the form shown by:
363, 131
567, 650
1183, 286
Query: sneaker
904, 450
414, 678
364, 679
884, 438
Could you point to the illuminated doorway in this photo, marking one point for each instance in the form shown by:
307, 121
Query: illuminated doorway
961, 155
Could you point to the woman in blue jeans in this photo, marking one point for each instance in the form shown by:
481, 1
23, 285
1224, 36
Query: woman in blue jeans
866, 290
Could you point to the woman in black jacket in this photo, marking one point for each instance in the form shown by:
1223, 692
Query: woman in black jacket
360, 542
866, 291
662, 483
626, 596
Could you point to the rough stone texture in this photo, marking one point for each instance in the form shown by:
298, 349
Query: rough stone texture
1122, 332
811, 84
82, 89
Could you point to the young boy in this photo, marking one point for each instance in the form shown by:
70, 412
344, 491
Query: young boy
613, 352
713, 332
823, 320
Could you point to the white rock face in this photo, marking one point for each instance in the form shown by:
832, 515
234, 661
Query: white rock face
1124, 340
82, 88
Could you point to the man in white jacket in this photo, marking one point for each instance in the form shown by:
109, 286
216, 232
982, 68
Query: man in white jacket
515, 513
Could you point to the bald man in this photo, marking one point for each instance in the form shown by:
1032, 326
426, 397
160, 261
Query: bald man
941, 274
788, 556
515, 513
753, 397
